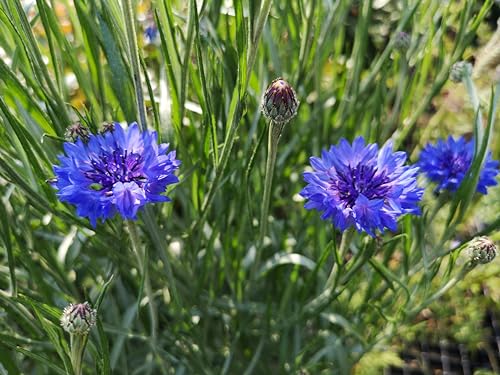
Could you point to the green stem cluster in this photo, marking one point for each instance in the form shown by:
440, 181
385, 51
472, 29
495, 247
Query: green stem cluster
328, 292
234, 119
129, 16
140, 256
466, 268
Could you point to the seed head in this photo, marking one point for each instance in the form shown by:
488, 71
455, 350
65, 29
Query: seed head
75, 131
402, 42
78, 318
482, 250
279, 103
460, 70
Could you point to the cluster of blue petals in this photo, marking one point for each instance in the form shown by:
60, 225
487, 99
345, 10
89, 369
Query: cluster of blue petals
119, 171
361, 186
447, 163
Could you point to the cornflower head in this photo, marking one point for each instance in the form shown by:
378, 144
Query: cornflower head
361, 186
279, 103
460, 70
115, 172
150, 33
402, 42
78, 318
482, 250
448, 161
75, 131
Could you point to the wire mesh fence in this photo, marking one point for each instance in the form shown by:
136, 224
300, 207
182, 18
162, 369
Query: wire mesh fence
447, 357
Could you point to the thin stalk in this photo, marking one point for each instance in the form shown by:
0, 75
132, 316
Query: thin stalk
129, 16
344, 245
272, 150
255, 38
77, 344
255, 358
331, 282
439, 293
474, 99
396, 109
141, 257
274, 133
234, 120
11, 260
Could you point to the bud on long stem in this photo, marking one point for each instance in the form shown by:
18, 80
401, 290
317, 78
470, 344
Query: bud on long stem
78, 319
482, 250
272, 151
279, 105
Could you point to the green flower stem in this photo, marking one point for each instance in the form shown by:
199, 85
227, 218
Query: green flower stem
474, 99
128, 10
439, 204
441, 291
77, 344
274, 133
328, 292
234, 120
140, 255
255, 38
400, 93
272, 151
344, 246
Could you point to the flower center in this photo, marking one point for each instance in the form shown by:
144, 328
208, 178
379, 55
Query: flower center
117, 166
456, 164
361, 179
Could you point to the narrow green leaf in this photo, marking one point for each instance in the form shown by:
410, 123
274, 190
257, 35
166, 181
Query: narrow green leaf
283, 258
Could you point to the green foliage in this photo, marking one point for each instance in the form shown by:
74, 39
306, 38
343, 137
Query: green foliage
64, 61
374, 362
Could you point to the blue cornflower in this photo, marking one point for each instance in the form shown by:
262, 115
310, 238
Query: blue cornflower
361, 186
150, 33
448, 162
118, 171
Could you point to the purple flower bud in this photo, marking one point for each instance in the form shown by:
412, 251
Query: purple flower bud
108, 127
460, 70
402, 42
78, 318
279, 103
482, 250
75, 131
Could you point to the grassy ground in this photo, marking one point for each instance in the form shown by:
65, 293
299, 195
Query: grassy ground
221, 301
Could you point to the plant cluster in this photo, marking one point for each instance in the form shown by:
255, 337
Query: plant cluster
239, 252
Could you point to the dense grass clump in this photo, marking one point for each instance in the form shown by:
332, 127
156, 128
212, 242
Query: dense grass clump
300, 236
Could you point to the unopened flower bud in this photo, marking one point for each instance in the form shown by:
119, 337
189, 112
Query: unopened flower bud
75, 131
279, 103
460, 70
108, 127
402, 42
482, 250
78, 318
